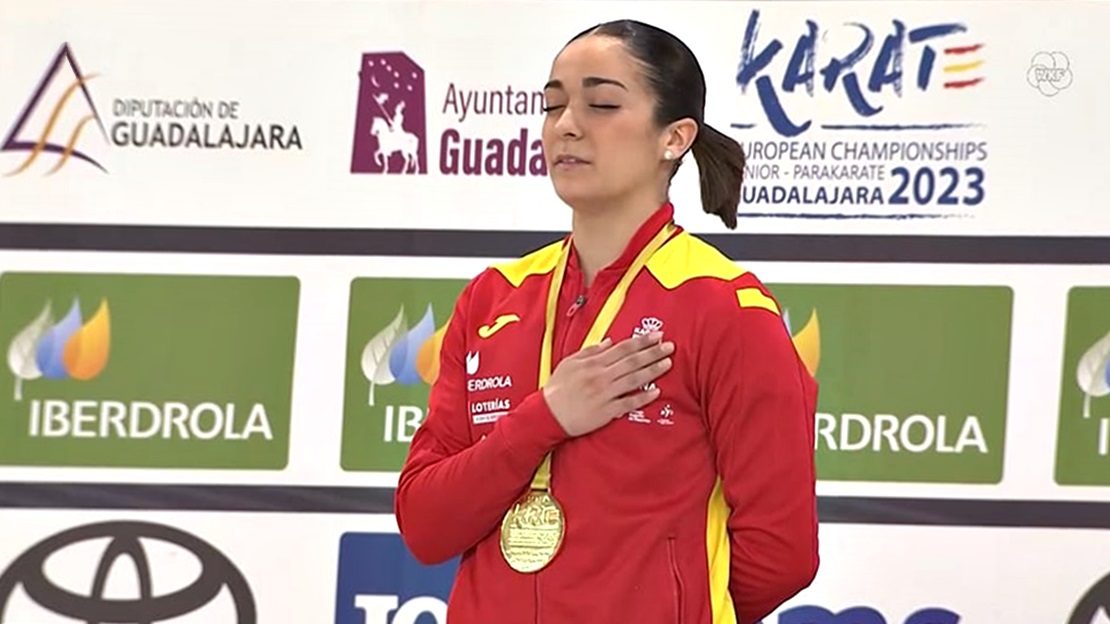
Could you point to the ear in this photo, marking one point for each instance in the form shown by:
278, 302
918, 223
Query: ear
677, 139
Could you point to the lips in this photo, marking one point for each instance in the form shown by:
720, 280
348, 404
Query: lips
568, 160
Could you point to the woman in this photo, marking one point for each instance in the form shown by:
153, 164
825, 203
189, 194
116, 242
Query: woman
586, 469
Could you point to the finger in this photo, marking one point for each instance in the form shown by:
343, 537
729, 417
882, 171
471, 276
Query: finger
634, 401
594, 349
640, 359
641, 377
628, 346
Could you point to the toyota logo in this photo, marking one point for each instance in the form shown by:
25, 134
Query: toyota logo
1094, 607
217, 572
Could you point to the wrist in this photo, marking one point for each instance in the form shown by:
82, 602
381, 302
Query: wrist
553, 411
532, 430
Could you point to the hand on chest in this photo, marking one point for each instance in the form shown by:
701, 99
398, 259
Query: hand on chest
503, 364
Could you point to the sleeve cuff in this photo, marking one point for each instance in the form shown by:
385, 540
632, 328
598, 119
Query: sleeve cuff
531, 431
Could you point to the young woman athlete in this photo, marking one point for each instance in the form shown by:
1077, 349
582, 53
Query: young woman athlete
621, 430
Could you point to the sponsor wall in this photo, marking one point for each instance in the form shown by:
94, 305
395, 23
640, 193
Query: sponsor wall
253, 408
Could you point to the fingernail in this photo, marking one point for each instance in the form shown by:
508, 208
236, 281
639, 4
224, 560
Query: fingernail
656, 336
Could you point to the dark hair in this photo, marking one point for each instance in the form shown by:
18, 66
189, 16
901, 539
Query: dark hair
676, 78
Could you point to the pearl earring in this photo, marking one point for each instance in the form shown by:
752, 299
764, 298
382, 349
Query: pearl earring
667, 155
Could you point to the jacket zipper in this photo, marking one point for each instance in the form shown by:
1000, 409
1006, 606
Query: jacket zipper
579, 302
538, 609
677, 579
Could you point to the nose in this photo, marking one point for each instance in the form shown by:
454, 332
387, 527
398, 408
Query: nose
566, 125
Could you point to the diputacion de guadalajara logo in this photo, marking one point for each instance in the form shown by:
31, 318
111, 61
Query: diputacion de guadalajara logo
848, 119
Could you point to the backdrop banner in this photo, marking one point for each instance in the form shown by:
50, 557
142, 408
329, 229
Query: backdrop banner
231, 234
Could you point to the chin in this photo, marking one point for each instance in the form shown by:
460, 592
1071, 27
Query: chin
577, 199
577, 194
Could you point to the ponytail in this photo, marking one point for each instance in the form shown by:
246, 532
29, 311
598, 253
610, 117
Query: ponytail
721, 171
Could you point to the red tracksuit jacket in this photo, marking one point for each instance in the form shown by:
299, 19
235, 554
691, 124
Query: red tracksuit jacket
699, 510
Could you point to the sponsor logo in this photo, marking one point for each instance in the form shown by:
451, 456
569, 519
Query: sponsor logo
69, 122
401, 354
394, 124
1049, 73
1092, 376
1094, 606
489, 383
392, 361
62, 111
142, 381
807, 341
665, 414
381, 583
68, 349
894, 405
1083, 429
218, 593
843, 119
809, 614
488, 410
391, 134
485, 331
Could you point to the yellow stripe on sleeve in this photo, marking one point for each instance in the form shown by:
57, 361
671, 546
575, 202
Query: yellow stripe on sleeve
754, 298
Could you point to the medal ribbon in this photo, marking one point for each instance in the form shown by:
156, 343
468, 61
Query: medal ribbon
605, 317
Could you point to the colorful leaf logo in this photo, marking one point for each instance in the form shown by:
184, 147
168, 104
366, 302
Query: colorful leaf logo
21, 351
397, 354
1093, 373
375, 355
402, 359
427, 360
807, 341
70, 349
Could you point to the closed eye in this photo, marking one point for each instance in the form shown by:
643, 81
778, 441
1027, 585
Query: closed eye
605, 107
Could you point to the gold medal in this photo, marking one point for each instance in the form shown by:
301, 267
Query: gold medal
533, 529
532, 532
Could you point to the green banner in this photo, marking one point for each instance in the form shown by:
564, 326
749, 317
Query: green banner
393, 339
146, 371
1083, 435
913, 379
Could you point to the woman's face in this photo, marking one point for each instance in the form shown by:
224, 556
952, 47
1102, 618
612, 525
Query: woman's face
599, 134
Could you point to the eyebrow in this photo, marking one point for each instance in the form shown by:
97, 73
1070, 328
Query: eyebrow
588, 81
